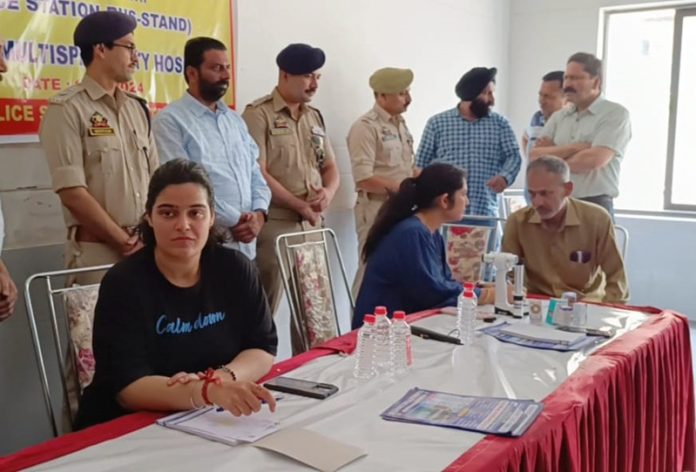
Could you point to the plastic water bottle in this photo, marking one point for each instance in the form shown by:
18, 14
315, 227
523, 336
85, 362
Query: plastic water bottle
365, 350
466, 316
383, 345
401, 343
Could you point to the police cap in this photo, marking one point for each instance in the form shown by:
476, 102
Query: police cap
103, 27
391, 80
298, 59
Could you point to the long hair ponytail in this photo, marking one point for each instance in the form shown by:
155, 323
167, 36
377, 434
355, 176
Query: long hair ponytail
415, 193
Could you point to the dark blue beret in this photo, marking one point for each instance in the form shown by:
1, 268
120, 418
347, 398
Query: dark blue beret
298, 59
473, 82
103, 27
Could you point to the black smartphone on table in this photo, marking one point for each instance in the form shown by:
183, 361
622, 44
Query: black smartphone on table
305, 388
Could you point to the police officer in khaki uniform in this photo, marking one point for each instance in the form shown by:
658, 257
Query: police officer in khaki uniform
295, 156
381, 151
99, 147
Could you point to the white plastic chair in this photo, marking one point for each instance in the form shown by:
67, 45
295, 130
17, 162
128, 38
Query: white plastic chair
622, 238
512, 200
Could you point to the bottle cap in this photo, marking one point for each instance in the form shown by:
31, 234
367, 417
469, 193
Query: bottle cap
399, 315
469, 286
380, 311
468, 293
369, 319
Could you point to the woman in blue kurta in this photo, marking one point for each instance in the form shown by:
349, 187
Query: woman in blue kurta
404, 251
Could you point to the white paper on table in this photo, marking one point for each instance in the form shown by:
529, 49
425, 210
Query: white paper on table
313, 449
222, 426
542, 333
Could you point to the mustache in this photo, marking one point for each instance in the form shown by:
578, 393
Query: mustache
569, 90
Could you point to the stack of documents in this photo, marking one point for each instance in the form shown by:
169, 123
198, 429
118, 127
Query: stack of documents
487, 415
540, 337
317, 451
221, 426
542, 333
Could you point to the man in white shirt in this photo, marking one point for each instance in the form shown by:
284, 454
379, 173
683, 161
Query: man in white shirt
591, 134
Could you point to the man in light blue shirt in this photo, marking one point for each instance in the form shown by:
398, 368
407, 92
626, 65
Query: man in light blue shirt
8, 290
551, 100
199, 126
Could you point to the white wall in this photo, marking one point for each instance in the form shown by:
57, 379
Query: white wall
438, 39
358, 37
543, 34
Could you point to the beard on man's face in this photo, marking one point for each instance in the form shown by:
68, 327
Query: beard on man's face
480, 108
213, 91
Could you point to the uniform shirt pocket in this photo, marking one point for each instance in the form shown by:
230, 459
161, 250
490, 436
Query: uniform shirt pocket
101, 154
394, 152
282, 153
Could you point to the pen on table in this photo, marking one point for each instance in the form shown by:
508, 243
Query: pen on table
434, 335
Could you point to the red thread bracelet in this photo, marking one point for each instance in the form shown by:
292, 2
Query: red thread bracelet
208, 377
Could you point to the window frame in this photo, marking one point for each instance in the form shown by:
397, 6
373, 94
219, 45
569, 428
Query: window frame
682, 9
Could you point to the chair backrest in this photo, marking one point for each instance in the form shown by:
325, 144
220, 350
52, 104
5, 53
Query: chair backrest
79, 305
71, 329
465, 246
622, 238
467, 242
513, 200
304, 261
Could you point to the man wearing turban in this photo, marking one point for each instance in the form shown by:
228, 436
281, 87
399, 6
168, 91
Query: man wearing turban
473, 137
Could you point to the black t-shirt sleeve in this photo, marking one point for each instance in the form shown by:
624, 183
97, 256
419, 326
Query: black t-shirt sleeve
260, 331
119, 338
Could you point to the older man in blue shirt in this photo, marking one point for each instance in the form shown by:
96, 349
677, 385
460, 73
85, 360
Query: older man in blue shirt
476, 139
199, 126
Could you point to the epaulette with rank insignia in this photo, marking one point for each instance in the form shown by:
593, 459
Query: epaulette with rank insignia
66, 94
260, 101
321, 117
370, 115
143, 104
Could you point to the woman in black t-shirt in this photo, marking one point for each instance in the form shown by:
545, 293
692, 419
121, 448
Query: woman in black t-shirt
181, 306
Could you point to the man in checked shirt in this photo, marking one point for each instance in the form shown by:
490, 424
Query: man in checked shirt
478, 140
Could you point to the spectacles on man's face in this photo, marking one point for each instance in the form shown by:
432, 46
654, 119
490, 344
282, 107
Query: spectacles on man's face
131, 47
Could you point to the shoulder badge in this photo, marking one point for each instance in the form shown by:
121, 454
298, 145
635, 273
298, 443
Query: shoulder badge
100, 126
